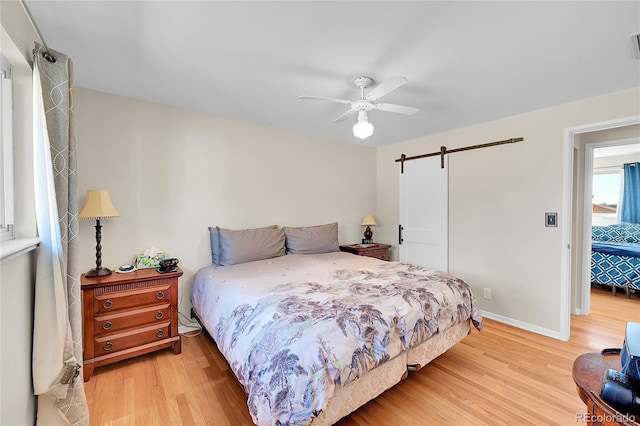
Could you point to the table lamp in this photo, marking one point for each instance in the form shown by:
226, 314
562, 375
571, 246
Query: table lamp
368, 233
98, 206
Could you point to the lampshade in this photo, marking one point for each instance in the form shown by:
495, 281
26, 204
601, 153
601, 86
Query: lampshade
363, 129
98, 205
368, 221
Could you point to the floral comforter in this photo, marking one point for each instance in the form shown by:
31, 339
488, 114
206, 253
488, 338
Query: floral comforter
296, 327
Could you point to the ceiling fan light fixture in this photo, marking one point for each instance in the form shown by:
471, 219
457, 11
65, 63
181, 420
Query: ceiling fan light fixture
367, 102
362, 129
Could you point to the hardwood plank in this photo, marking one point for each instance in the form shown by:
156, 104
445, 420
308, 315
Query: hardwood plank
503, 375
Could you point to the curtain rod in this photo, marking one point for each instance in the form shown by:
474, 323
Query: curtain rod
46, 54
444, 150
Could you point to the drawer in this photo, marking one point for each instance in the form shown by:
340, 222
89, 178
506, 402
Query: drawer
378, 254
131, 318
131, 338
108, 302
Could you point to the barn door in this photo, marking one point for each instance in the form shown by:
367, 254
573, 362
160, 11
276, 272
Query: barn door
424, 213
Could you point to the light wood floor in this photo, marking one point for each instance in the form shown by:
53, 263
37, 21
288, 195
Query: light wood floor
503, 375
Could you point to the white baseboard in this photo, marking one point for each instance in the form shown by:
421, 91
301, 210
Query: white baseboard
187, 328
523, 325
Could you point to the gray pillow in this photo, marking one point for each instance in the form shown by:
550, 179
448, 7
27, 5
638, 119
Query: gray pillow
312, 239
248, 245
214, 237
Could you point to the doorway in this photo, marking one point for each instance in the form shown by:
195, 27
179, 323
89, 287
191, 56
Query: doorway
603, 159
576, 235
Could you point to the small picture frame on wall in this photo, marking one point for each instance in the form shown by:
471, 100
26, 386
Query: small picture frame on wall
551, 219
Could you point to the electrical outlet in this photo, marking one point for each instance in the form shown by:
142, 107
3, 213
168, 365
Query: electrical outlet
487, 293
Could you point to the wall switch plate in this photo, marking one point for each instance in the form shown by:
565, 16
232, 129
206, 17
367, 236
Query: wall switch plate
487, 293
551, 219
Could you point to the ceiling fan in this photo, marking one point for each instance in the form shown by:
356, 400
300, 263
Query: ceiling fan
363, 129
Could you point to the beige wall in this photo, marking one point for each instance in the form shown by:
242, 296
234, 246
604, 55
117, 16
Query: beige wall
215, 171
17, 402
616, 161
497, 201
172, 173
617, 134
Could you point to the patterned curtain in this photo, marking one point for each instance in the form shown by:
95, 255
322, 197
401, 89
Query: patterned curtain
630, 204
57, 340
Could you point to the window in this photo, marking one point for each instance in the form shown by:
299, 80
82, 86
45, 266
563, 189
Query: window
6, 151
606, 195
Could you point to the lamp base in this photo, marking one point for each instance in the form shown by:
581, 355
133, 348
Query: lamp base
98, 272
368, 233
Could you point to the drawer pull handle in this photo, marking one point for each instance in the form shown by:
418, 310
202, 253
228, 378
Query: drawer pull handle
160, 333
108, 346
107, 304
107, 325
159, 315
160, 295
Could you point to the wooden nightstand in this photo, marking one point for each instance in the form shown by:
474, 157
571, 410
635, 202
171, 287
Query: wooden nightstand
379, 251
127, 315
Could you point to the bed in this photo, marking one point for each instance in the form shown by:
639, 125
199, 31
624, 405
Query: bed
313, 336
615, 256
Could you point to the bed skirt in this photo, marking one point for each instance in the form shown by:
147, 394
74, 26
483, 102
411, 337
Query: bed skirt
355, 394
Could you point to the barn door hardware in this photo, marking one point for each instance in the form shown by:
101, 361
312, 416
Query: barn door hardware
444, 150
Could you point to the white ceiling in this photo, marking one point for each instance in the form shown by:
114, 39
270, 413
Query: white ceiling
466, 62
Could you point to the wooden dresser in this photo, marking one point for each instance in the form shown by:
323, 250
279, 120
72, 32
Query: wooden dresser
127, 315
379, 251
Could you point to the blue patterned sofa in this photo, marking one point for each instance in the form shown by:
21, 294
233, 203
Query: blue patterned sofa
615, 256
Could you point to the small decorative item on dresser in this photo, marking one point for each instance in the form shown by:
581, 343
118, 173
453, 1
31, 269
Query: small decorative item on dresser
379, 251
150, 258
368, 233
98, 206
127, 315
168, 265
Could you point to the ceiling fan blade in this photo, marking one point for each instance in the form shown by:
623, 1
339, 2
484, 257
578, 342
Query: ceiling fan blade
400, 109
385, 87
320, 98
345, 115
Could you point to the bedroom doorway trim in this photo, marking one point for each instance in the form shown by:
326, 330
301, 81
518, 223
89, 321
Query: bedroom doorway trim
567, 200
584, 305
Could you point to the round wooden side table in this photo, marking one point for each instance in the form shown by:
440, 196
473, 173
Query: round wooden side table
588, 372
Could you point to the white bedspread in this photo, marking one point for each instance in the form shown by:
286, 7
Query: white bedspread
294, 328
